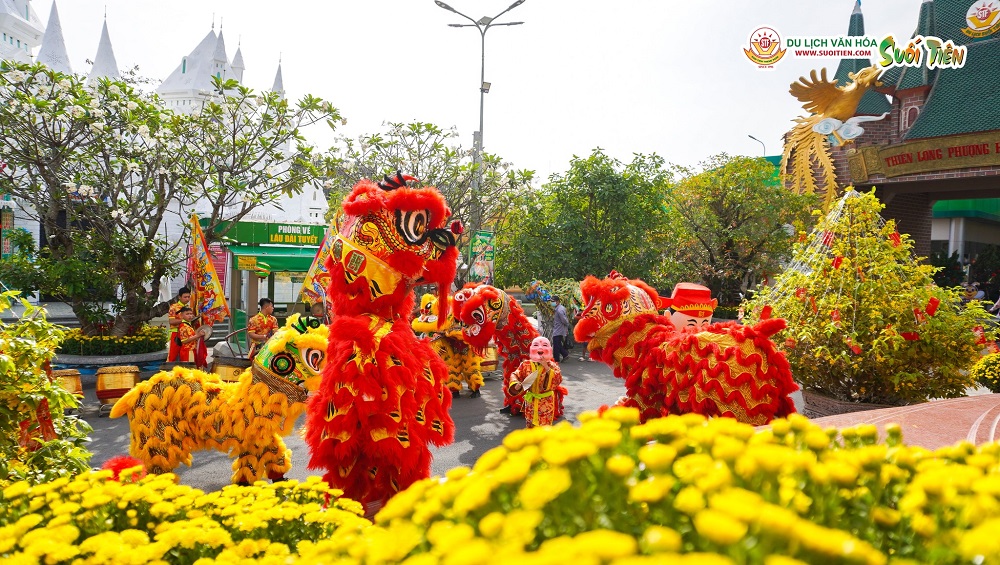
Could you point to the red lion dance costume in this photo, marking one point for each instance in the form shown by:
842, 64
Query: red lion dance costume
723, 369
382, 398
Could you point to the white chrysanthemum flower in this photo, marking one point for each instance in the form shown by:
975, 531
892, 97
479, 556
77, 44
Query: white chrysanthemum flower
113, 89
131, 105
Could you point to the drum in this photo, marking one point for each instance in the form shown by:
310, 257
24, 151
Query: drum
113, 383
70, 380
230, 368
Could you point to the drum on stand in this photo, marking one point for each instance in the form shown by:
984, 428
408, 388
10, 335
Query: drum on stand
113, 383
229, 368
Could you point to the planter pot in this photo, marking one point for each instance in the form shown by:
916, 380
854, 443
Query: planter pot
816, 405
98, 360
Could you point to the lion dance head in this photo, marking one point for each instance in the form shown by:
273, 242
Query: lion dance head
389, 238
295, 353
609, 302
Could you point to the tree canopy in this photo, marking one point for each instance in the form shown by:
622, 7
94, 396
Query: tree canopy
599, 215
731, 225
429, 153
99, 167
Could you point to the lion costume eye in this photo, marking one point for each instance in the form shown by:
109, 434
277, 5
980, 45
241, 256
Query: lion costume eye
313, 358
478, 316
412, 225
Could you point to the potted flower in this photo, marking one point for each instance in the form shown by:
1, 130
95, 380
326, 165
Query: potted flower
866, 323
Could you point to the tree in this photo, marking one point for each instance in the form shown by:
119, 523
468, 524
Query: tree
950, 272
985, 269
426, 151
865, 321
99, 168
599, 215
731, 224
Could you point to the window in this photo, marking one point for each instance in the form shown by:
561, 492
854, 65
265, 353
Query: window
184, 65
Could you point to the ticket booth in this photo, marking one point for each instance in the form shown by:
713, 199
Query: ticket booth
268, 259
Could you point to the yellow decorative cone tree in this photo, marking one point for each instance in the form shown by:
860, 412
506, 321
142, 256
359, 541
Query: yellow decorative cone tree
865, 321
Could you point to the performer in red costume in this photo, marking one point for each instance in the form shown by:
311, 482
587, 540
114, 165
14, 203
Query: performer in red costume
537, 380
383, 397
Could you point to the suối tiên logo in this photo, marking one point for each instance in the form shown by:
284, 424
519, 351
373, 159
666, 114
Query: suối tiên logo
765, 47
983, 18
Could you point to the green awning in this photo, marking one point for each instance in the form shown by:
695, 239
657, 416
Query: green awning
278, 258
982, 208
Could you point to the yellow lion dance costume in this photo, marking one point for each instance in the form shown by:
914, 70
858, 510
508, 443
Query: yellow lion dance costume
175, 413
464, 365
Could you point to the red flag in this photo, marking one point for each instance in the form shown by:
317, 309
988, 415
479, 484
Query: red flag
932, 306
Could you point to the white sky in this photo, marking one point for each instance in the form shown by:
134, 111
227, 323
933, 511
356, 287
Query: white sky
645, 76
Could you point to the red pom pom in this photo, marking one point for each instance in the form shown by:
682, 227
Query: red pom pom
120, 463
457, 228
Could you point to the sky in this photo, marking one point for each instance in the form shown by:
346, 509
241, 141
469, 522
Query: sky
629, 76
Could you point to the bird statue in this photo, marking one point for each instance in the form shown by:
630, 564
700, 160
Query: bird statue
832, 122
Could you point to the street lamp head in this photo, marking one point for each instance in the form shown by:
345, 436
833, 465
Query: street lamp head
516, 4
447, 7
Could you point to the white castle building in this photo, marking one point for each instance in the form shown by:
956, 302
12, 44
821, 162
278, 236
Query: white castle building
184, 90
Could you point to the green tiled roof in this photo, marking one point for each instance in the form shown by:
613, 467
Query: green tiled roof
964, 100
872, 103
949, 19
913, 77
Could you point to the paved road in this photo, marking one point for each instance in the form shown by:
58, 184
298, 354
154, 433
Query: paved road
479, 426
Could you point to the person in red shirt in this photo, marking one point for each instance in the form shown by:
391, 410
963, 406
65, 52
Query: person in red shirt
261, 327
187, 338
175, 320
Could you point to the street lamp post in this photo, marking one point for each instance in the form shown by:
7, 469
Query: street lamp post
763, 147
483, 24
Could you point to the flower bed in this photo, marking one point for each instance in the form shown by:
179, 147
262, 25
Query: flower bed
148, 339
679, 489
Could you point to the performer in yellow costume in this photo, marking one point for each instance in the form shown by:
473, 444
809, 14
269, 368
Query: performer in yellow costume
462, 361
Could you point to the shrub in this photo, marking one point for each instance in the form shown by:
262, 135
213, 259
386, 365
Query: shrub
38, 441
865, 321
104, 521
681, 489
950, 271
149, 339
986, 372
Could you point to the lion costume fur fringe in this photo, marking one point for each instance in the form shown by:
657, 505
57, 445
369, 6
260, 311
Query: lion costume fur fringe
723, 370
175, 413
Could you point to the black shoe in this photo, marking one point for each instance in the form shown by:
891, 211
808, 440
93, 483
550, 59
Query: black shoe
505, 410
455, 394
475, 394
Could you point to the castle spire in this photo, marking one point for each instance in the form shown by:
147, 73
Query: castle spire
53, 51
105, 64
279, 85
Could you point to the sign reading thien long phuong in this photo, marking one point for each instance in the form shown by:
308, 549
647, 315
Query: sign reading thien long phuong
928, 155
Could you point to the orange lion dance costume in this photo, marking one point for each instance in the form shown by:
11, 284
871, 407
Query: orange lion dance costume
382, 398
488, 313
723, 369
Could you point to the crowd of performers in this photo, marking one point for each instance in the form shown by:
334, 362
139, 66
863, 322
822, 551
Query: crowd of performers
386, 379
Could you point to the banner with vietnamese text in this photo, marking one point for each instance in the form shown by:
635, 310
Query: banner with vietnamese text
318, 278
206, 290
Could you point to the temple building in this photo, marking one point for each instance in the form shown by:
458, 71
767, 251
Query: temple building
934, 158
